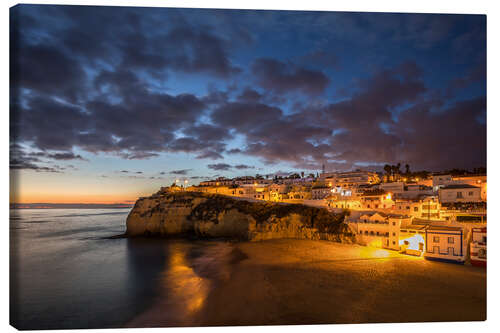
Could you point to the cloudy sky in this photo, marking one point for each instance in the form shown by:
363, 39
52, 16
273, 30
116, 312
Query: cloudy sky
111, 103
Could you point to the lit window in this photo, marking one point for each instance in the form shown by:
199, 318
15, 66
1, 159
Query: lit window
435, 239
415, 209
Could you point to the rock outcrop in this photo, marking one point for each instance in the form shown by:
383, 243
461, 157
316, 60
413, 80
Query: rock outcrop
214, 216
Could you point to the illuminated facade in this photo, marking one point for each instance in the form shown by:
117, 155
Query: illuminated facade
426, 208
350, 179
379, 229
377, 201
444, 243
459, 193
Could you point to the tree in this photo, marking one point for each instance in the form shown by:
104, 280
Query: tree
387, 169
407, 167
302, 174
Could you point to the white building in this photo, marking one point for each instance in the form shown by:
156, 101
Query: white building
444, 243
426, 208
439, 180
378, 229
459, 193
320, 192
350, 179
377, 201
394, 187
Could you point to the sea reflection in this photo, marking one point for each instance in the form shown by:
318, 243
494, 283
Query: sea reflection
182, 285
189, 271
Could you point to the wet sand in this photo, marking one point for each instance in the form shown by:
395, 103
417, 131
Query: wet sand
283, 282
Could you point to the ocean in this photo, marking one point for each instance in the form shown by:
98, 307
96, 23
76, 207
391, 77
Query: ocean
66, 273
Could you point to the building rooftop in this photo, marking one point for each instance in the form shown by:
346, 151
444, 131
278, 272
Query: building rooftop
457, 186
443, 228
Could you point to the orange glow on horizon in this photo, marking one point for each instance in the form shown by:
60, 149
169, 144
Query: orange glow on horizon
81, 199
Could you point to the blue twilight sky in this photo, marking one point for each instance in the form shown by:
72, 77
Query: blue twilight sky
115, 100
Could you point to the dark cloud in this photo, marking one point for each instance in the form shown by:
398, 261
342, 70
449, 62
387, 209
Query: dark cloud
220, 166
249, 95
180, 172
199, 50
20, 160
65, 156
281, 77
243, 167
234, 151
47, 70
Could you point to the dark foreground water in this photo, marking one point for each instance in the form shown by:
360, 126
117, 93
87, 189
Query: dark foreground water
65, 274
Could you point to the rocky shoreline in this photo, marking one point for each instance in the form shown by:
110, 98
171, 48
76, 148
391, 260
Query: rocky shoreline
203, 215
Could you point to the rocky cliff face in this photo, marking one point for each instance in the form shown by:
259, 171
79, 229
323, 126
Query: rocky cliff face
212, 215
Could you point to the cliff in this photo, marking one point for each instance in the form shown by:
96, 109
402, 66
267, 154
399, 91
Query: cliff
212, 215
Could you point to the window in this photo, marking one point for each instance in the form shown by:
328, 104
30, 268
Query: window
435, 239
393, 243
459, 195
408, 207
450, 240
394, 234
415, 209
361, 232
394, 223
471, 194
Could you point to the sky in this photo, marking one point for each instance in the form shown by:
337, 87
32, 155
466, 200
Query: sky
110, 103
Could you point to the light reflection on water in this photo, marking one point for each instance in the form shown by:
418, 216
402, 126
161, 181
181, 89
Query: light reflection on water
190, 272
186, 288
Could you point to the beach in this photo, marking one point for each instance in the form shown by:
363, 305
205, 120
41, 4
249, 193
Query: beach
283, 282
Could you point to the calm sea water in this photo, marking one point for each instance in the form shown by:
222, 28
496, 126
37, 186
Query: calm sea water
64, 273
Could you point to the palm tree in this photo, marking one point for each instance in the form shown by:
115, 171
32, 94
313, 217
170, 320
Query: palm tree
387, 169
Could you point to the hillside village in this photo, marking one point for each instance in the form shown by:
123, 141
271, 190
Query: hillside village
439, 216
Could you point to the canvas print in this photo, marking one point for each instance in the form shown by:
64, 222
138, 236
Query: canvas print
208, 167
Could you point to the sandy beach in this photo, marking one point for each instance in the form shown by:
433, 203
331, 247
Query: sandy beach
312, 282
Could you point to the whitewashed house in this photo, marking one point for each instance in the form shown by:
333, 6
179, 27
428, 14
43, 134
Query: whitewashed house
444, 243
